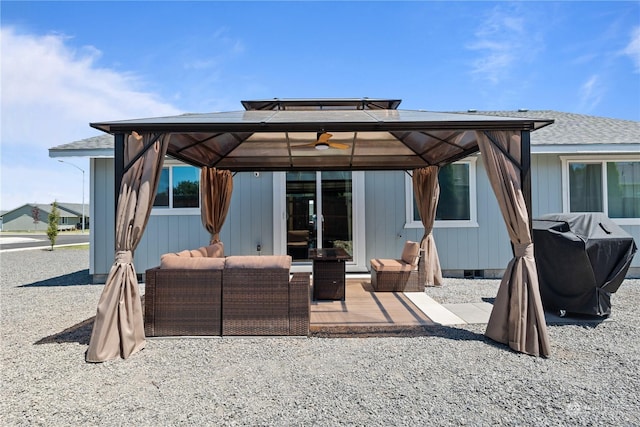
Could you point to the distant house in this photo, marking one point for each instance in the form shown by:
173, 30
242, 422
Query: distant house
34, 217
579, 163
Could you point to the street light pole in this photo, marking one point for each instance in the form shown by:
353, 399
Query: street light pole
81, 170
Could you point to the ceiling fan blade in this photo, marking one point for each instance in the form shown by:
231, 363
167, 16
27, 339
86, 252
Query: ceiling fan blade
323, 143
310, 145
338, 145
324, 137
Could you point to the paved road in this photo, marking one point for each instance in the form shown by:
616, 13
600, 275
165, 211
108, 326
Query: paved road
10, 241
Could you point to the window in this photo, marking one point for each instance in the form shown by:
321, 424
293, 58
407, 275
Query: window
179, 187
457, 203
609, 186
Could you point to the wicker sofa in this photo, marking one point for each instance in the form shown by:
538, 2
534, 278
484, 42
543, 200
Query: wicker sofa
235, 295
406, 274
260, 298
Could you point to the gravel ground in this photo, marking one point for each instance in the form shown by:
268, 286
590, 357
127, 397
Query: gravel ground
453, 377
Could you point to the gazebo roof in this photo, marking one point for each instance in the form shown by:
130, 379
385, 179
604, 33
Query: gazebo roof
288, 134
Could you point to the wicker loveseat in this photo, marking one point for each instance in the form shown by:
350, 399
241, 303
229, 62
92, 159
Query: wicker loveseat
406, 274
236, 295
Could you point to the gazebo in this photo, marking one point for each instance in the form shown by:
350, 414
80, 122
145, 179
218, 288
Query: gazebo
322, 134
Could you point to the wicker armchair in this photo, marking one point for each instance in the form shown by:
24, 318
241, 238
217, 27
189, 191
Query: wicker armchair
406, 274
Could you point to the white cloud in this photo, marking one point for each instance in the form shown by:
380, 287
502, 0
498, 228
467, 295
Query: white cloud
633, 49
501, 41
591, 93
50, 93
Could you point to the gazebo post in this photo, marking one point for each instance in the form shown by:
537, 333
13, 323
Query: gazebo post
118, 167
525, 173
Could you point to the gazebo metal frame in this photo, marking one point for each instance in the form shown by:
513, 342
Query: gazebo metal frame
278, 134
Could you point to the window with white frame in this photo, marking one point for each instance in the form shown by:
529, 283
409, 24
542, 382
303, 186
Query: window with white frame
610, 185
179, 188
457, 203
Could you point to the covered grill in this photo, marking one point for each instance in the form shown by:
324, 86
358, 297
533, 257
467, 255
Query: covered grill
581, 259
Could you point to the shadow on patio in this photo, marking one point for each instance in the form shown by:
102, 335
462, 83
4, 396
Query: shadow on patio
367, 313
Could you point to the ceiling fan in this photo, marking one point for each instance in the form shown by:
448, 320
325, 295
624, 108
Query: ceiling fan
323, 143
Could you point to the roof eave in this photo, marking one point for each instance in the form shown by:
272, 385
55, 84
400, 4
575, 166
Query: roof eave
86, 152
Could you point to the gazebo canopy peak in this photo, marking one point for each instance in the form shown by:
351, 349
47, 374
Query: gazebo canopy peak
322, 104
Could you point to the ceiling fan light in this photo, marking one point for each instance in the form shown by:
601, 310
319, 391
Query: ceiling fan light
322, 146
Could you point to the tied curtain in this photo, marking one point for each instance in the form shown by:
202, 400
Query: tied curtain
118, 329
427, 192
216, 187
517, 318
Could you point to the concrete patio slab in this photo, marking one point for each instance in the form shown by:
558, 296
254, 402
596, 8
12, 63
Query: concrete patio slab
433, 310
471, 312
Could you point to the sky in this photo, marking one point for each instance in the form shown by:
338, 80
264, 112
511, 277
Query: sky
65, 64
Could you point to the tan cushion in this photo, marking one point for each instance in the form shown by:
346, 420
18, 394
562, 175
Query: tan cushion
379, 264
215, 250
185, 253
163, 256
198, 253
411, 252
257, 261
198, 263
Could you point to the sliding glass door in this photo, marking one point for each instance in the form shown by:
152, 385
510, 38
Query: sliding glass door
318, 211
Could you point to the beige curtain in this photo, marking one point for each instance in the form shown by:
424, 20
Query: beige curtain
427, 192
216, 187
118, 330
517, 318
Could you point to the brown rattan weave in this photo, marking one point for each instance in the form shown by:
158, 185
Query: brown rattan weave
257, 301
329, 279
399, 281
299, 306
182, 302
262, 301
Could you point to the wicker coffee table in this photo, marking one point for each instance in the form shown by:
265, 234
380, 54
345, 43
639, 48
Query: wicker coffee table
329, 273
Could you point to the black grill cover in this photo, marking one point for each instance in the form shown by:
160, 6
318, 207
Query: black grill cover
582, 259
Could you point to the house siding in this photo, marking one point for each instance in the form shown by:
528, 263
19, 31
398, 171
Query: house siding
250, 218
21, 220
485, 247
250, 221
102, 238
546, 184
385, 215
